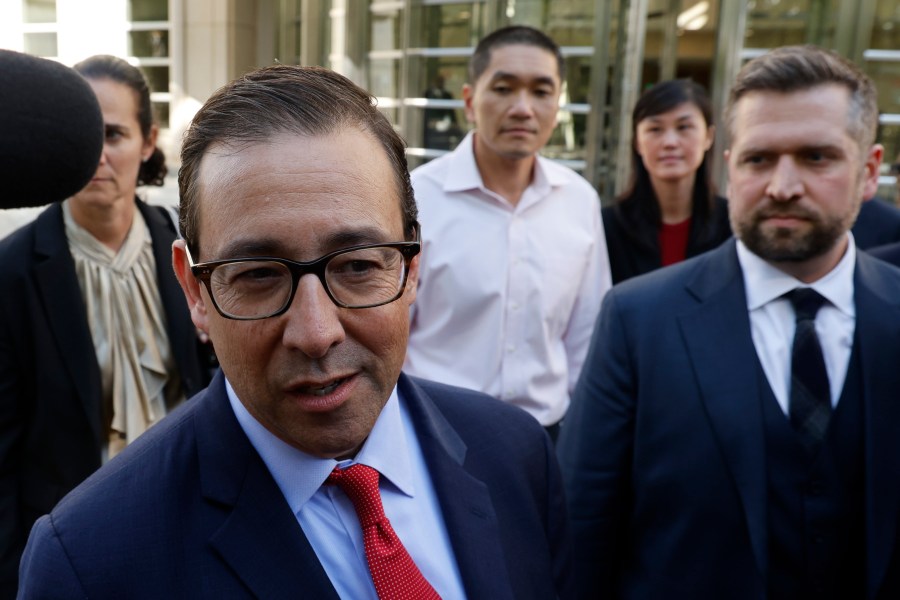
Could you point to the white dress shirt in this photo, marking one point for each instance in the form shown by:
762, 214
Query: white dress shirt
772, 319
508, 295
328, 518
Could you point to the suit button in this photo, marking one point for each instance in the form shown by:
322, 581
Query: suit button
816, 487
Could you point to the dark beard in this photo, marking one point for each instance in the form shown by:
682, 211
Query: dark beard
784, 245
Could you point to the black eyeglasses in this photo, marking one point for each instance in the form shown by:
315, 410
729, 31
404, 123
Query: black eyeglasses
260, 287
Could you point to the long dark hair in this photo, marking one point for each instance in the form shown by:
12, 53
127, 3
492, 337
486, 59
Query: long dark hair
102, 66
638, 206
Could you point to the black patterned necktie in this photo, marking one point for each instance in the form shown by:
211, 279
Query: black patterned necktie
810, 398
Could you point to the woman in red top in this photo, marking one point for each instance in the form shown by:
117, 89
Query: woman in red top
670, 211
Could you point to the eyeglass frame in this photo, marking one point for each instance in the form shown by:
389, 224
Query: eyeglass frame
203, 272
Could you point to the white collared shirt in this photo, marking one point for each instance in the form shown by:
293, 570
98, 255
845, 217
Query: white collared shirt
772, 319
328, 518
508, 295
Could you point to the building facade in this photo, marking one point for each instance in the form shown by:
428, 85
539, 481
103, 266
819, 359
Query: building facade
412, 55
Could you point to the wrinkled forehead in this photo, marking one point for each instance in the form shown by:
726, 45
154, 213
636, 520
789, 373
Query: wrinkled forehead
297, 189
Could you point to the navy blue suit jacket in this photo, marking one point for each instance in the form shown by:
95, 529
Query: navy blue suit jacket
190, 511
877, 224
664, 449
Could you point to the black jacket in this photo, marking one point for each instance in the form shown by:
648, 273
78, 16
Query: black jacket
51, 426
634, 247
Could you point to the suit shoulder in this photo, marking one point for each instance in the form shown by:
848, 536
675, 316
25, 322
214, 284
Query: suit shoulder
889, 253
472, 407
880, 271
17, 251
663, 289
157, 459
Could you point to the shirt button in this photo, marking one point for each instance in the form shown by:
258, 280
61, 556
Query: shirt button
514, 306
511, 348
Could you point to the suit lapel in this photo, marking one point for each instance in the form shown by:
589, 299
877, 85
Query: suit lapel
259, 537
877, 333
60, 294
721, 350
465, 502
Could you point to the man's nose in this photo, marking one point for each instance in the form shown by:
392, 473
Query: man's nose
785, 182
522, 104
313, 320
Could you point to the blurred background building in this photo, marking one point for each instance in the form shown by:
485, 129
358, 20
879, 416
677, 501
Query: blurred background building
412, 55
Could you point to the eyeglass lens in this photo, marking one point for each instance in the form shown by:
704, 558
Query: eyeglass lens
359, 278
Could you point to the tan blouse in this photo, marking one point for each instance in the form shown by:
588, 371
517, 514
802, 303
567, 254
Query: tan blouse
127, 323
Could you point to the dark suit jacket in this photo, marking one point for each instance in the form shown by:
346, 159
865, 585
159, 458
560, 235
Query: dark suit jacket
878, 223
190, 510
664, 450
888, 253
51, 430
634, 247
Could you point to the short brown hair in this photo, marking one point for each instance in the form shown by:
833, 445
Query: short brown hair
309, 101
796, 68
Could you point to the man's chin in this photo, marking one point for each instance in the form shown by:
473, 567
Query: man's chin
786, 246
517, 153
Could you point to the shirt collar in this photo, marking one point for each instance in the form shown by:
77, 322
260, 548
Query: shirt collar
764, 283
299, 475
463, 174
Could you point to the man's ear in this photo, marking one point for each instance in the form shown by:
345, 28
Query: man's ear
412, 281
468, 93
191, 286
871, 170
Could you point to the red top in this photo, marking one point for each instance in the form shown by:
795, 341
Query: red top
673, 241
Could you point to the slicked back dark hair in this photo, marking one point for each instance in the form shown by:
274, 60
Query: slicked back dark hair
508, 36
308, 101
797, 68
103, 66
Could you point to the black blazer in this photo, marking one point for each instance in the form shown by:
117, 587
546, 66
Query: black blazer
634, 247
189, 510
51, 430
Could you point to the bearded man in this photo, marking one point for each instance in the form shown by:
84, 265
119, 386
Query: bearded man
734, 433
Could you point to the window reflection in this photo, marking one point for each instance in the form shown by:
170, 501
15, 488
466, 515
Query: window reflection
773, 23
39, 11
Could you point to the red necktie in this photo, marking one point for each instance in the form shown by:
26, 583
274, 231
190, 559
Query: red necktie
393, 571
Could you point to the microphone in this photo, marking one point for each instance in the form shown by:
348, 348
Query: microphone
51, 131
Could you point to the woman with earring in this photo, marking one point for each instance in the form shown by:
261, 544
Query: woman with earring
670, 211
96, 341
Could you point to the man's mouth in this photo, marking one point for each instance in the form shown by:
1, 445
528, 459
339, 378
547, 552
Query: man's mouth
321, 390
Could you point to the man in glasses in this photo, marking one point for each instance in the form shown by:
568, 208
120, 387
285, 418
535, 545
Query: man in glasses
311, 467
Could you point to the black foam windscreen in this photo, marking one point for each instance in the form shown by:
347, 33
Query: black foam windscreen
51, 131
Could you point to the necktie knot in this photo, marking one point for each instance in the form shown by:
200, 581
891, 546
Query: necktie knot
360, 483
806, 303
